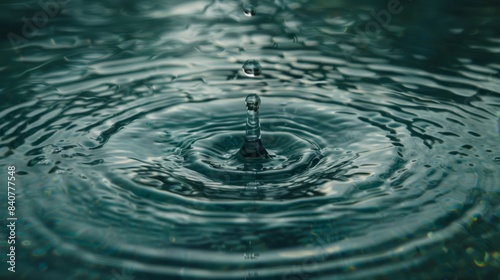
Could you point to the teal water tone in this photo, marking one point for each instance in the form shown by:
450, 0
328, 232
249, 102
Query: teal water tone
124, 121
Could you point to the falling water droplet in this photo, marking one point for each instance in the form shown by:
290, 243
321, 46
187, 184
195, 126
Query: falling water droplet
249, 10
253, 148
252, 68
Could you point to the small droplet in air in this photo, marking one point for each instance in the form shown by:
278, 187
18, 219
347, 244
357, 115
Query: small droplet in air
249, 10
252, 68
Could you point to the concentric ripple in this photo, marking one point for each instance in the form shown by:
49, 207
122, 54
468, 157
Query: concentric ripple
384, 161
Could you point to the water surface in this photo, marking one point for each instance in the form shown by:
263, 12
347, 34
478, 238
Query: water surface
122, 119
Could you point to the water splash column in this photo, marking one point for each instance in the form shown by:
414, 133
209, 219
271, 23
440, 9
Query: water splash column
253, 147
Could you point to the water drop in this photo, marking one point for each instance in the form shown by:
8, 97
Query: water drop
249, 10
253, 147
252, 68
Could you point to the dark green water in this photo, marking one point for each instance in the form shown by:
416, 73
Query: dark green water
122, 119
